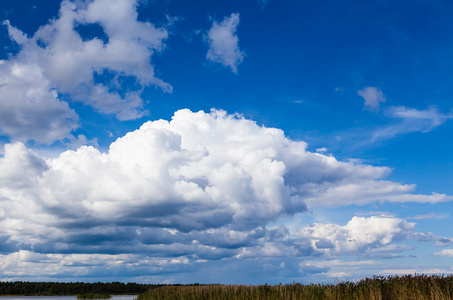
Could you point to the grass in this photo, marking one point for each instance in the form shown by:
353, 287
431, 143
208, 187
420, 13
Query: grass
411, 287
94, 296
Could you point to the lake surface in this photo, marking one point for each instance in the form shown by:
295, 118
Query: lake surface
114, 297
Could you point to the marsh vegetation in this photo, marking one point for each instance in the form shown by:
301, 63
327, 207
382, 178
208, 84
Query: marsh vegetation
376, 288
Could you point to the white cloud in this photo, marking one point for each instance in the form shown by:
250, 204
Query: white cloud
223, 43
445, 252
201, 187
56, 59
373, 97
411, 120
358, 235
20, 167
364, 192
375, 236
321, 150
30, 107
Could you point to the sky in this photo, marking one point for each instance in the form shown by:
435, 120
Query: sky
233, 142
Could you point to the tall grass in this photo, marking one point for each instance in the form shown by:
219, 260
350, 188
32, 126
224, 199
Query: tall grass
377, 288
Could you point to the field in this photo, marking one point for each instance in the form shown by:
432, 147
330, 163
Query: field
377, 288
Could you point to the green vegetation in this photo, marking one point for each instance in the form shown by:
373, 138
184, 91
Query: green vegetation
71, 288
377, 288
94, 296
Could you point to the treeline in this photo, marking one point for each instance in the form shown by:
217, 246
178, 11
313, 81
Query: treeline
419, 287
71, 288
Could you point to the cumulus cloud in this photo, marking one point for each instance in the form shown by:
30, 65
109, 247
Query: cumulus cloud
107, 71
375, 236
358, 235
203, 186
30, 107
373, 97
445, 253
223, 43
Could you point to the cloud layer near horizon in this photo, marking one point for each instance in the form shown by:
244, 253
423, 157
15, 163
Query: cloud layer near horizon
202, 186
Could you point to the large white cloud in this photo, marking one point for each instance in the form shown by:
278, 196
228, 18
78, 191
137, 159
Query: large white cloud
203, 186
223, 43
90, 69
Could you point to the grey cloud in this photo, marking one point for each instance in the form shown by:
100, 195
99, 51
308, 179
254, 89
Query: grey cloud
9, 246
307, 269
445, 241
324, 244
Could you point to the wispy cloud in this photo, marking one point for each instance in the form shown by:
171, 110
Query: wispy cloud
406, 119
429, 216
410, 120
223, 43
394, 121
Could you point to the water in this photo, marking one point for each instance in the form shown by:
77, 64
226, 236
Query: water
114, 297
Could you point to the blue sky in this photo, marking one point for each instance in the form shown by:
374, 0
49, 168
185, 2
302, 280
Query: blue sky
239, 141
